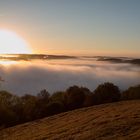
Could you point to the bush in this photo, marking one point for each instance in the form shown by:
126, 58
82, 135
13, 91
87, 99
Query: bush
131, 93
106, 93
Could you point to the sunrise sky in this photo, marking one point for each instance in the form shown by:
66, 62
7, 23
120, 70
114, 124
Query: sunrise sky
75, 27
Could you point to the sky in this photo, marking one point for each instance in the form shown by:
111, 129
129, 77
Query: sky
75, 27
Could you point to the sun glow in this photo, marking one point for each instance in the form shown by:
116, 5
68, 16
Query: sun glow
11, 43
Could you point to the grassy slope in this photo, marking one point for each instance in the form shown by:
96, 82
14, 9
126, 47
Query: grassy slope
113, 121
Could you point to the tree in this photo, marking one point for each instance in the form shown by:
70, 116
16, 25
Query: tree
58, 96
29, 103
54, 108
74, 97
43, 95
42, 100
7, 115
131, 93
105, 93
88, 100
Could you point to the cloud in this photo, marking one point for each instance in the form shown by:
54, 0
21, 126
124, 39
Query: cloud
55, 75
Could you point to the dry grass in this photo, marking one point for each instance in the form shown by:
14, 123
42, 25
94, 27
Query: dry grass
115, 121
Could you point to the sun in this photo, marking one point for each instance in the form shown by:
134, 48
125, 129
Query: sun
12, 43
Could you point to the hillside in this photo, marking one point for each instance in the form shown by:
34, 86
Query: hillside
112, 121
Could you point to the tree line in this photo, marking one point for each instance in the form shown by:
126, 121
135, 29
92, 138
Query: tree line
16, 110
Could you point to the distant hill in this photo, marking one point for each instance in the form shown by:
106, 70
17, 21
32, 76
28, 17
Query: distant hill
120, 60
113, 121
28, 57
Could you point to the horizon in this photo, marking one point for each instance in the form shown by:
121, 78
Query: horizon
78, 55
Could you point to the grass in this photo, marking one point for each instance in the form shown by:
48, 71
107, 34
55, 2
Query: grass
113, 121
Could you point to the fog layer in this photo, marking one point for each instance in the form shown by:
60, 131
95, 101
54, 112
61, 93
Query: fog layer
24, 77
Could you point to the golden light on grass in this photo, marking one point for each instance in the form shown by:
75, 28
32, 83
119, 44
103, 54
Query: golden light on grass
12, 43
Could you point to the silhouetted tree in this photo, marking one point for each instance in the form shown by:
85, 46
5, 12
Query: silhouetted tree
131, 93
58, 96
43, 95
106, 93
54, 108
74, 97
41, 106
7, 115
15, 110
89, 101
28, 107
